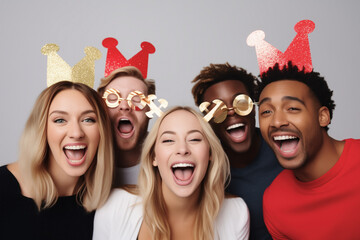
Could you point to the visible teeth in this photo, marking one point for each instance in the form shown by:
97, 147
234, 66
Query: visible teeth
75, 147
280, 138
235, 126
182, 165
124, 119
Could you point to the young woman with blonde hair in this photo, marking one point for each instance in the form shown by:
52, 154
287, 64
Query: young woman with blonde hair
65, 167
180, 191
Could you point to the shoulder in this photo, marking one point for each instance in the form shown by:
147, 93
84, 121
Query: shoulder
119, 206
233, 219
121, 214
8, 182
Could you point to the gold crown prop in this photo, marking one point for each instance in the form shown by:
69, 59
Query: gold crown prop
58, 70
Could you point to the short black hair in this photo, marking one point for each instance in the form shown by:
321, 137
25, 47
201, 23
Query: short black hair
312, 79
215, 73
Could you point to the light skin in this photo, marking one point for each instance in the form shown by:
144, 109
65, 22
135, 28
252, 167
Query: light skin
237, 133
130, 126
183, 144
292, 122
71, 126
73, 137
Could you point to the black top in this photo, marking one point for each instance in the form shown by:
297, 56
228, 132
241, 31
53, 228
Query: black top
20, 219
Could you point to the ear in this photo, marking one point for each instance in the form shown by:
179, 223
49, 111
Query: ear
155, 163
324, 116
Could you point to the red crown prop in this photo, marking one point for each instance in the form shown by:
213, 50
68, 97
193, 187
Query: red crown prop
115, 59
298, 51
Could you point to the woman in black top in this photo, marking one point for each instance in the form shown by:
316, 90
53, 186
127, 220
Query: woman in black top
64, 170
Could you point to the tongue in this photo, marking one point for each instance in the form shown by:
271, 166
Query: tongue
125, 127
237, 132
74, 154
183, 174
288, 145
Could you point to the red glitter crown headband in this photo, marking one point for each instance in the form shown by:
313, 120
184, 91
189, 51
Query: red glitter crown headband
298, 51
115, 59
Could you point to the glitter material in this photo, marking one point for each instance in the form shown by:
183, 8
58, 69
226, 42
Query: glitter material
242, 105
58, 70
153, 108
115, 59
298, 51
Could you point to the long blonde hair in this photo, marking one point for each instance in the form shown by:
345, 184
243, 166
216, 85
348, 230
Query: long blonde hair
93, 188
212, 186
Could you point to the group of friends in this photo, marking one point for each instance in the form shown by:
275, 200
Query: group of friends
89, 168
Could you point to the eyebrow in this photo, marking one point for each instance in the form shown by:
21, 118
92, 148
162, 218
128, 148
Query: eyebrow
66, 113
189, 132
283, 99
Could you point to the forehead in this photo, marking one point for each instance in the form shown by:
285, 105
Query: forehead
65, 99
286, 88
224, 89
180, 121
127, 84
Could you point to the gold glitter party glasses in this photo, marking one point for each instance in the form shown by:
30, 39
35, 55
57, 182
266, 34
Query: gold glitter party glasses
135, 99
242, 105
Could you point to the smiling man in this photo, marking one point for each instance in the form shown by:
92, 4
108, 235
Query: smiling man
318, 195
129, 122
224, 89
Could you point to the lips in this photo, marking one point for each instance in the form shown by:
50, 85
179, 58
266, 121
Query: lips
183, 173
237, 132
75, 154
287, 144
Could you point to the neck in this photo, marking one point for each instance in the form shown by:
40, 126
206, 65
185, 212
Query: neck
128, 158
325, 158
65, 184
181, 209
243, 159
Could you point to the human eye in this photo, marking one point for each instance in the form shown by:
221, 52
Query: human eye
197, 137
166, 140
59, 120
89, 120
264, 111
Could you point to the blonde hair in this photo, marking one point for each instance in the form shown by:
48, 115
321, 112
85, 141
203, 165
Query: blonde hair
212, 186
93, 188
129, 71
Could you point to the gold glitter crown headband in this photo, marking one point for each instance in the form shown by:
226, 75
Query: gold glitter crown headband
58, 70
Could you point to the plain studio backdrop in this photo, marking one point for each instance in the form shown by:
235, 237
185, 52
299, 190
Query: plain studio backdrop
187, 35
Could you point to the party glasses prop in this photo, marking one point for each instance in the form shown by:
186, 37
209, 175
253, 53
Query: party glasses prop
242, 105
135, 99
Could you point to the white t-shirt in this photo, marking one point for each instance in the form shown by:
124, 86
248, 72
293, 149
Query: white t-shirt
121, 218
127, 175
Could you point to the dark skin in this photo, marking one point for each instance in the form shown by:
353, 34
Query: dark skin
287, 109
241, 144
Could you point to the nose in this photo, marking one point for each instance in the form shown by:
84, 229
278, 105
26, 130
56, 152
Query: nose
231, 111
182, 148
76, 131
279, 119
124, 106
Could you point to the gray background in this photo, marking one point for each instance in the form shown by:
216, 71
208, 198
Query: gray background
188, 35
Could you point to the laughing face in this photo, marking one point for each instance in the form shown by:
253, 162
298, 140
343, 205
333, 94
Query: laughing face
291, 122
181, 154
235, 132
72, 134
129, 125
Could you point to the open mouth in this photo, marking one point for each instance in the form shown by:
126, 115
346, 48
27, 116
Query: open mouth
237, 131
286, 143
125, 126
183, 172
75, 153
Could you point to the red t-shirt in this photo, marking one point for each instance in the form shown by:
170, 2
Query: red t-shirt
326, 208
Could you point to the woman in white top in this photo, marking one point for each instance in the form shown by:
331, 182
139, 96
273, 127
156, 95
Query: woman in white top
181, 188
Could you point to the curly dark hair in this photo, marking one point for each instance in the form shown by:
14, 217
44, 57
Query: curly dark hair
312, 79
215, 73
